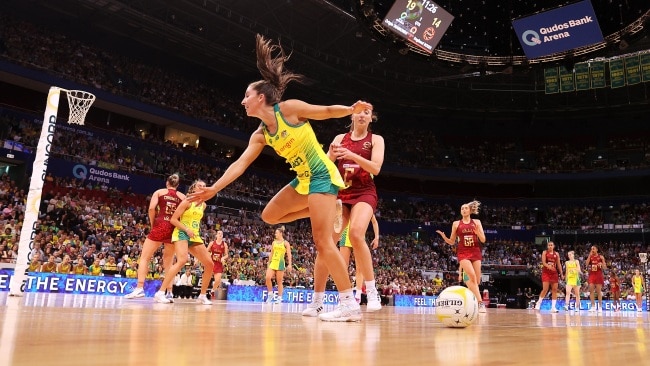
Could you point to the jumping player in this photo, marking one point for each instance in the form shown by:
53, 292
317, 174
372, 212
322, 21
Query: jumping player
285, 127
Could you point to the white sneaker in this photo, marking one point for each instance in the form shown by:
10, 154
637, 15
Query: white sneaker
374, 301
313, 309
538, 305
203, 299
169, 295
137, 292
600, 311
639, 310
277, 300
554, 310
592, 309
338, 220
159, 297
270, 299
481, 307
350, 312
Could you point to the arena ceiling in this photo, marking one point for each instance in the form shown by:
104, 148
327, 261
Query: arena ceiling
346, 56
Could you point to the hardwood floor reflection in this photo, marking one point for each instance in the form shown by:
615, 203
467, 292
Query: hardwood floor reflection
61, 329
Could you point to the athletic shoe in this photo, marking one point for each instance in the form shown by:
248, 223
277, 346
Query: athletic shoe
270, 299
350, 312
159, 297
592, 309
338, 221
600, 311
639, 310
554, 310
566, 308
374, 301
313, 309
481, 307
202, 299
137, 292
538, 305
277, 300
170, 296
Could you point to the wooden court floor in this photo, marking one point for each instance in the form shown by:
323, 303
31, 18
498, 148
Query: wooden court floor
62, 329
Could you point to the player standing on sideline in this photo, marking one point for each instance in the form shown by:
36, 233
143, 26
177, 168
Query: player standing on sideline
285, 127
595, 266
162, 205
187, 237
615, 289
551, 270
277, 266
572, 267
470, 235
359, 155
637, 283
218, 249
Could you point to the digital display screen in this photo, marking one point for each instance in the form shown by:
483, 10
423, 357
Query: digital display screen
422, 23
558, 30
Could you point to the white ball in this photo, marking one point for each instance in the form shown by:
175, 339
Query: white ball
457, 307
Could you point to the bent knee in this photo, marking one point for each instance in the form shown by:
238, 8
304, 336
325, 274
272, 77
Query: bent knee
269, 218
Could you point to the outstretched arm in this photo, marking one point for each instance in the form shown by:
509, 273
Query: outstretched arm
297, 110
235, 170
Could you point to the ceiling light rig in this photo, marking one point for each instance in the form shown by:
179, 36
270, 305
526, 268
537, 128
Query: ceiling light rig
493, 41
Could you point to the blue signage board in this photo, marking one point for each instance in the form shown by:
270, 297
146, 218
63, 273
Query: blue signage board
558, 30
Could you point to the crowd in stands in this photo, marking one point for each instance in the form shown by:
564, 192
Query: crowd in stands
82, 232
89, 225
145, 80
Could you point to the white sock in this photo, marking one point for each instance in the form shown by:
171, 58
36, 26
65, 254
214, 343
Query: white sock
553, 304
371, 286
346, 297
319, 296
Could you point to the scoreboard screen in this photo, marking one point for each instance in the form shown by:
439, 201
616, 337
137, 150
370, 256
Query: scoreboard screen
422, 23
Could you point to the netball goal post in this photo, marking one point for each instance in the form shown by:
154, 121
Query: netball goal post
79, 103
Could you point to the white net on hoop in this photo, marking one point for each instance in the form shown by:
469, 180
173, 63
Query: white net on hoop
79, 103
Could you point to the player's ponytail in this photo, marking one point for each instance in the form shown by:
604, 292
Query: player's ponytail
474, 207
174, 180
274, 76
